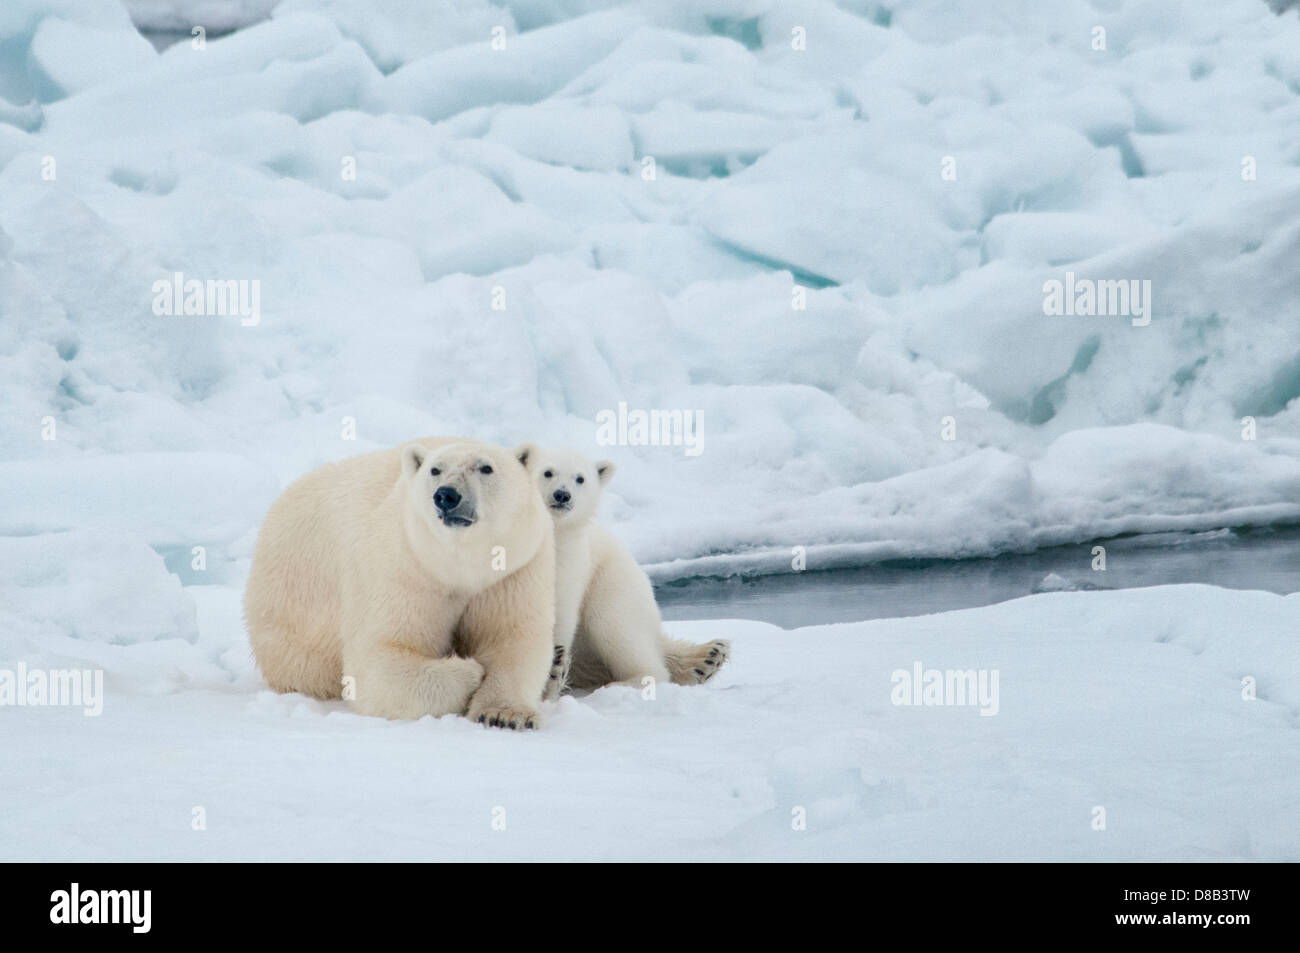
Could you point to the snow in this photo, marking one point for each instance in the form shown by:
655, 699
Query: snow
505, 262
159, 498
61, 590
1131, 701
580, 137
503, 219
69, 57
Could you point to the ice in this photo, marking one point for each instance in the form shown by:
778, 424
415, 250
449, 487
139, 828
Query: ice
69, 57
582, 138
161, 498
395, 32
838, 235
470, 239
530, 67
507, 232
62, 590
1097, 696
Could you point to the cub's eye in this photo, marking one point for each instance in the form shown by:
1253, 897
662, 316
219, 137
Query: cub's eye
434, 471
582, 479
548, 474
485, 469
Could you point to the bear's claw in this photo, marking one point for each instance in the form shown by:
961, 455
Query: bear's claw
557, 680
512, 718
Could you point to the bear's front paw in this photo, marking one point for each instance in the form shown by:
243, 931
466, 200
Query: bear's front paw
513, 718
559, 675
466, 677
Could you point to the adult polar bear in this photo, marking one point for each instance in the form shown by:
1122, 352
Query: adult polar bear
381, 567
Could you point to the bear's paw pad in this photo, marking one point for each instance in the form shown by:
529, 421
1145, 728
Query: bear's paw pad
717, 653
698, 664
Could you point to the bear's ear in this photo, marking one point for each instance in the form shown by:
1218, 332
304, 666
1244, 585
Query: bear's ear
605, 470
413, 456
527, 453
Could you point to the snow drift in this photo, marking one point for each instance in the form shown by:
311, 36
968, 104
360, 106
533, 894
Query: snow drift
824, 229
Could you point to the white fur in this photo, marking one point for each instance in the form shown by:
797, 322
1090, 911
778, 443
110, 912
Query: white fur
607, 623
356, 576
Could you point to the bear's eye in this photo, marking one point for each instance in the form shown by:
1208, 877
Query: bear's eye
485, 469
434, 471
582, 479
548, 474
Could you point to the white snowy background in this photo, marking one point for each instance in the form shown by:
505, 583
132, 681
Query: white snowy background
775, 167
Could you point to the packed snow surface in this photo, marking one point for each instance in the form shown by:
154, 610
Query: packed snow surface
1121, 729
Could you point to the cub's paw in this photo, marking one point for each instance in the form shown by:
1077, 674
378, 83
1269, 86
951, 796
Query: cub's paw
515, 719
558, 678
714, 655
696, 664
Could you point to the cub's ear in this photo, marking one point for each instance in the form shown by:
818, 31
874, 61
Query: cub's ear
604, 470
413, 457
527, 453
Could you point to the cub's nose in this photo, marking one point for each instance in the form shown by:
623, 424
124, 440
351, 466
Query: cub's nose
446, 498
561, 496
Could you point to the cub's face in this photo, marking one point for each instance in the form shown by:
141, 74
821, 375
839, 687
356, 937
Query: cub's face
570, 484
465, 489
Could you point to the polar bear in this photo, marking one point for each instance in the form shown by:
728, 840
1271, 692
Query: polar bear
414, 581
607, 624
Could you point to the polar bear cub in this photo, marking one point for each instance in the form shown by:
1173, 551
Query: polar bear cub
607, 623
413, 581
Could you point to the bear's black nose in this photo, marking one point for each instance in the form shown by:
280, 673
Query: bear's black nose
446, 498
561, 496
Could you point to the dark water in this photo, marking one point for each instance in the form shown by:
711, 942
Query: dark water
1266, 558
